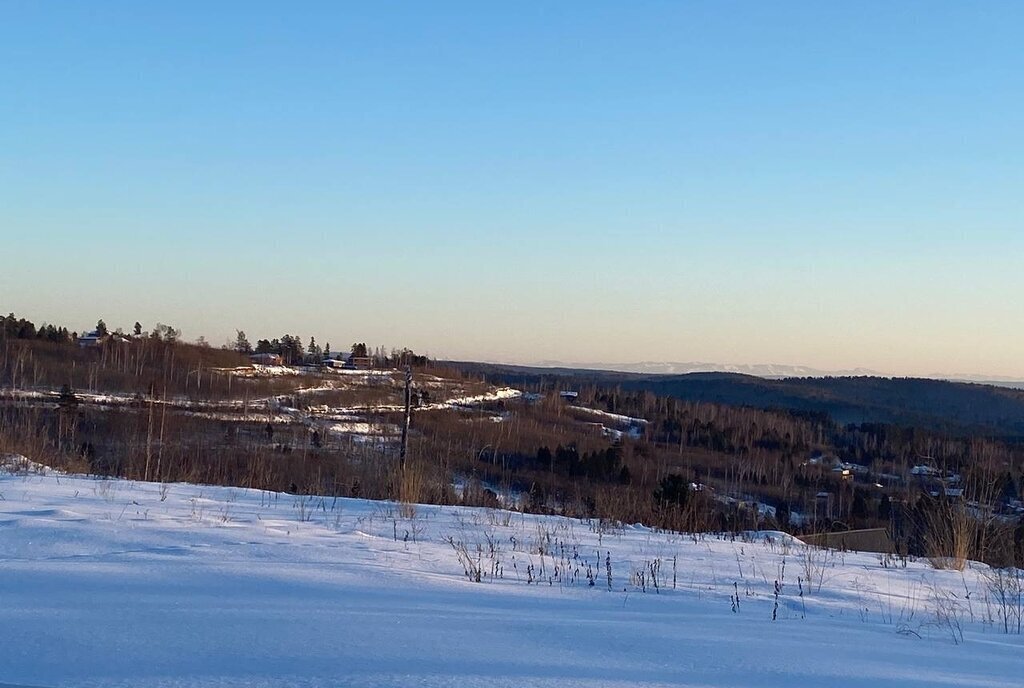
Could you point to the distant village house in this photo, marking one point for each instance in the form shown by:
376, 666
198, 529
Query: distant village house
94, 339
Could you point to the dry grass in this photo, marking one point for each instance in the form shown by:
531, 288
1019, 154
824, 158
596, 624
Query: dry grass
411, 484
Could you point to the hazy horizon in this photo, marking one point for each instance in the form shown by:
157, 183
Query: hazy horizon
828, 186
339, 344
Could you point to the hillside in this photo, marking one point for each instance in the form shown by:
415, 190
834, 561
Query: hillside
932, 404
121, 583
957, 407
150, 409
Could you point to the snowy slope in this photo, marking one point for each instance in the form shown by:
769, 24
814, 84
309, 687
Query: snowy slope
114, 583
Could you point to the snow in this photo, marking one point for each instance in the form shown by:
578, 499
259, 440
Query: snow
118, 583
365, 428
616, 417
500, 394
260, 370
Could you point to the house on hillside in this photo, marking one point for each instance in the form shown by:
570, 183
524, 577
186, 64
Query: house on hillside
923, 471
266, 359
93, 339
847, 471
819, 459
90, 339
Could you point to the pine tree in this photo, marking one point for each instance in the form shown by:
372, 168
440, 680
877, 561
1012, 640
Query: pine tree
67, 397
242, 344
884, 508
165, 333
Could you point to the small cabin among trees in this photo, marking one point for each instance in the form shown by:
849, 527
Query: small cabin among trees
90, 339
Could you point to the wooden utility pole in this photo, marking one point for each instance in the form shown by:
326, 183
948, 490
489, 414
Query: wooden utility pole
406, 418
149, 433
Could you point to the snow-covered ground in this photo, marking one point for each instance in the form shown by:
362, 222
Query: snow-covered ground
499, 394
634, 426
116, 583
616, 417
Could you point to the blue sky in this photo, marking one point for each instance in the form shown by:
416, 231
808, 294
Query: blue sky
829, 184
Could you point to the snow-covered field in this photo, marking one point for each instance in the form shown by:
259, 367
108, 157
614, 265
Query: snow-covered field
115, 583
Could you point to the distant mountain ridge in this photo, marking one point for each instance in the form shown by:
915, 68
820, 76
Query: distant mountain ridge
772, 371
767, 370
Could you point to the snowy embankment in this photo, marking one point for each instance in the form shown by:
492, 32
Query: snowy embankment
117, 583
614, 417
500, 394
634, 426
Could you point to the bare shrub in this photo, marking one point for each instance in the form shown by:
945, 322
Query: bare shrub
950, 535
471, 562
1005, 588
815, 562
948, 614
959, 528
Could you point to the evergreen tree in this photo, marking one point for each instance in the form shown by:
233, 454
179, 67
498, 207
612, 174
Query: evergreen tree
884, 508
165, 333
242, 344
291, 349
673, 490
101, 328
545, 459
782, 515
67, 397
313, 351
625, 477
1009, 488
859, 507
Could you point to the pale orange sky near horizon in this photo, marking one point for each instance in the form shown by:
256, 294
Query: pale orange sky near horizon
889, 347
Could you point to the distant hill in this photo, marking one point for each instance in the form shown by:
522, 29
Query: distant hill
769, 370
955, 407
776, 371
